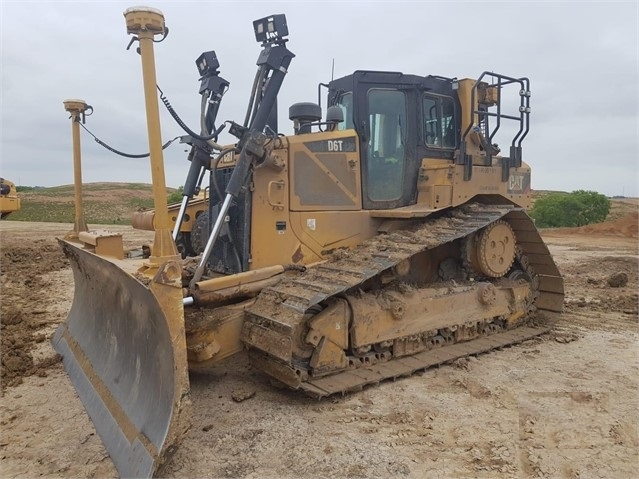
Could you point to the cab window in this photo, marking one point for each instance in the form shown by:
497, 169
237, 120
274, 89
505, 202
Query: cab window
439, 122
345, 102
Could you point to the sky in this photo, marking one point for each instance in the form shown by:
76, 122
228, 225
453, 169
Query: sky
582, 59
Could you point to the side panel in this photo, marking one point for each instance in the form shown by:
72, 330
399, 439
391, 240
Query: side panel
326, 192
311, 203
487, 181
441, 184
324, 231
272, 239
325, 172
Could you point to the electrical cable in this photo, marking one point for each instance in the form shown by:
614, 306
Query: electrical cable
179, 121
121, 153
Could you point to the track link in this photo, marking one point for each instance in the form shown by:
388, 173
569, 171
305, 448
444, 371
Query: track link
356, 379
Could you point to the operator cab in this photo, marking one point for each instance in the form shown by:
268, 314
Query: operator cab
399, 119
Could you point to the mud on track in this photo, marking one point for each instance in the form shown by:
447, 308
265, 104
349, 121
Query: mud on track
564, 405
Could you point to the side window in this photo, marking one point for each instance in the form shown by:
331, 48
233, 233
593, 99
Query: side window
345, 102
449, 137
439, 122
387, 139
432, 133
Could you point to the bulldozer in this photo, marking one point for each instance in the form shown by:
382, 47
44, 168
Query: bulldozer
381, 239
9, 201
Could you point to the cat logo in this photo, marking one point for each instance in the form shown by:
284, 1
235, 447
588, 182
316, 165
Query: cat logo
519, 183
516, 182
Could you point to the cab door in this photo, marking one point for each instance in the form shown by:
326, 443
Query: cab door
386, 151
389, 164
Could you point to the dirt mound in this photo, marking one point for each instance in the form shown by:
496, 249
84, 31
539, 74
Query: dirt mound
23, 311
627, 226
590, 288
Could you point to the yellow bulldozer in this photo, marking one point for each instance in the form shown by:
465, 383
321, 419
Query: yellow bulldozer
382, 239
9, 201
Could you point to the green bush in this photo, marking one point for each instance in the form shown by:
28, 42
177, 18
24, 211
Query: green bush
578, 208
176, 196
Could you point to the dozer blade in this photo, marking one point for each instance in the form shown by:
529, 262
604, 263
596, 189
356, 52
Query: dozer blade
123, 346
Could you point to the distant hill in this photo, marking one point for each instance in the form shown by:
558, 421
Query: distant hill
104, 203
114, 203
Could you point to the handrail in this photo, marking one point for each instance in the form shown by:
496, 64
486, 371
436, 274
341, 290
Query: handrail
499, 81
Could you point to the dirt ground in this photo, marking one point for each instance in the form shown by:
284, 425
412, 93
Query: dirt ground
561, 406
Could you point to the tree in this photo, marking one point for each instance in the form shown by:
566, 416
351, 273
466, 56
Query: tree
578, 208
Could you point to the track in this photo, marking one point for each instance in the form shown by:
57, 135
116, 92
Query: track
280, 312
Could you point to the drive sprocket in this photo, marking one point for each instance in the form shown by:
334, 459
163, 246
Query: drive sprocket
491, 251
